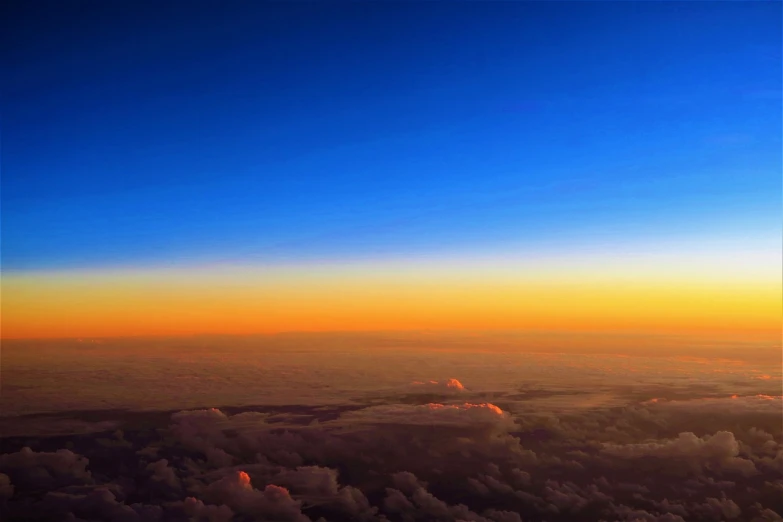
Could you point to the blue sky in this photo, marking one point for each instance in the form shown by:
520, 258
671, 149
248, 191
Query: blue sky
140, 134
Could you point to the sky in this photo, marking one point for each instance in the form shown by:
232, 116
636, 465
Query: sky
391, 261
235, 167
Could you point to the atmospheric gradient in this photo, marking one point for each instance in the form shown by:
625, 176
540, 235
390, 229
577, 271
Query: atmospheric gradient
391, 261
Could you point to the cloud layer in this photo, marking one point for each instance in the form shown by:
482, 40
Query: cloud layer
681, 440
458, 461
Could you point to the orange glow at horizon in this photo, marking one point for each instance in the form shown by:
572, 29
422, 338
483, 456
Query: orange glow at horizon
138, 304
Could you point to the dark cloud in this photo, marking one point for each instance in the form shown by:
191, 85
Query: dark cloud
453, 461
6, 488
27, 468
236, 491
719, 451
196, 509
501, 451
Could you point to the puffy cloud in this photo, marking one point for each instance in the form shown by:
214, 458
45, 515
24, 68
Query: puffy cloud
319, 486
163, 474
207, 432
28, 468
396, 502
6, 488
502, 516
407, 482
719, 509
351, 500
765, 515
100, 503
196, 509
434, 508
236, 491
720, 450
773, 463
311, 481
629, 514
413, 500
202, 430
520, 478
569, 497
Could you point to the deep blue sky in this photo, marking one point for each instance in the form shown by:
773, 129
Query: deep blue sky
141, 133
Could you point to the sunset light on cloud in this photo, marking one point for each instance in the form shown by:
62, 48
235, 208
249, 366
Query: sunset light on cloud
391, 261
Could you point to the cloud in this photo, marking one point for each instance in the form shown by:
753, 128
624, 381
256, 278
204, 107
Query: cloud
311, 481
28, 468
162, 474
451, 386
413, 500
196, 509
433, 414
100, 503
523, 443
719, 451
236, 491
729, 405
6, 488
